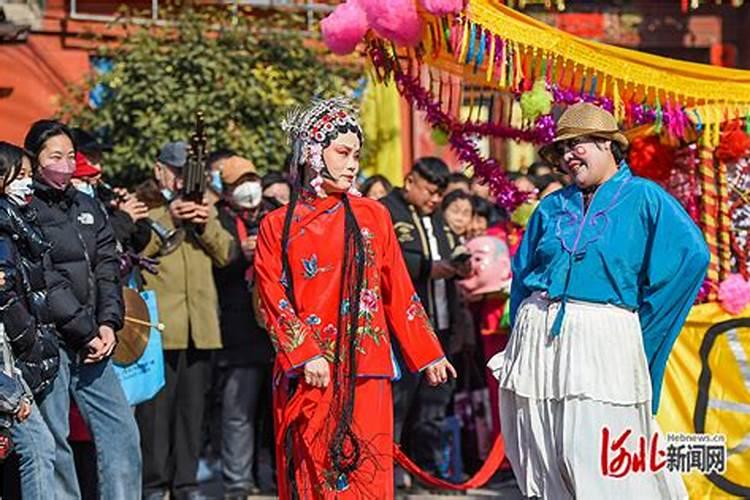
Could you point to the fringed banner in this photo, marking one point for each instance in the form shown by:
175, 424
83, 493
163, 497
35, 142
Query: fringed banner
492, 45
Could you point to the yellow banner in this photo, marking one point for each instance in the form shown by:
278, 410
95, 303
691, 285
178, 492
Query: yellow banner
707, 391
381, 121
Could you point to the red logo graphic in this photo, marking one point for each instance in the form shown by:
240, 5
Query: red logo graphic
617, 461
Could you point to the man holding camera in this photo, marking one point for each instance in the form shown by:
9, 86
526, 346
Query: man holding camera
170, 424
419, 409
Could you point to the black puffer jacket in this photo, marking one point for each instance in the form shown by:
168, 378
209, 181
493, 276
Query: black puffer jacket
84, 253
23, 298
243, 341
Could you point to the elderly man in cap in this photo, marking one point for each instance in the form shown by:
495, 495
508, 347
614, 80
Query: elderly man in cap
170, 424
247, 357
602, 282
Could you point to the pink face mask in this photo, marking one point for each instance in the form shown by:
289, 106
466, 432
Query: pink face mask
59, 173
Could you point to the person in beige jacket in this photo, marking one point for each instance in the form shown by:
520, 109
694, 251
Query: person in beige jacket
171, 423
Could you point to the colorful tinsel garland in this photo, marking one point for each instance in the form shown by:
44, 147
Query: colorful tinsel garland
460, 134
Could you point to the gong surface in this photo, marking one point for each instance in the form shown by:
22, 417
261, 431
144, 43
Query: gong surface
134, 334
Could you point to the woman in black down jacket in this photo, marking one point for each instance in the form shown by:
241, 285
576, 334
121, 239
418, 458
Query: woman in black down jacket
84, 252
29, 344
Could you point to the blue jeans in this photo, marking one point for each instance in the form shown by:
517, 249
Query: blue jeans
98, 395
35, 447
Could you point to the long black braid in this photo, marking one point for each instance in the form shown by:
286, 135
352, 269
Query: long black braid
288, 283
345, 450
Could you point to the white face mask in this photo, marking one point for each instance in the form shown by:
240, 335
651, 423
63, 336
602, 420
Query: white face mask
86, 189
248, 194
20, 191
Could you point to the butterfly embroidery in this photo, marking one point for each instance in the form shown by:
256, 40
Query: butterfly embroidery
311, 267
333, 209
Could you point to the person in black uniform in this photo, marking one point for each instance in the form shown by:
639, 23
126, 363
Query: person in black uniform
419, 409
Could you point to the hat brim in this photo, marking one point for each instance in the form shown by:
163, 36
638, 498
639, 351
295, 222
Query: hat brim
548, 154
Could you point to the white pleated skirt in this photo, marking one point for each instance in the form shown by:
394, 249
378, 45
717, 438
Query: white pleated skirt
557, 394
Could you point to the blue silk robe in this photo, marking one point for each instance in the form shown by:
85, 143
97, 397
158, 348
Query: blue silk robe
635, 247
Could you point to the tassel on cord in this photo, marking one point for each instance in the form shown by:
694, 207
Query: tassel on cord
472, 44
456, 40
659, 115
583, 83
517, 67
464, 43
594, 84
491, 60
617, 100
481, 52
501, 79
554, 63
499, 57
574, 69
527, 68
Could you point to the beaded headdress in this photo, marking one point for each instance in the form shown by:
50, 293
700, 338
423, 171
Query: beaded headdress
311, 129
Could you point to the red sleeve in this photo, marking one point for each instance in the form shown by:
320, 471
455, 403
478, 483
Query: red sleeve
290, 336
406, 316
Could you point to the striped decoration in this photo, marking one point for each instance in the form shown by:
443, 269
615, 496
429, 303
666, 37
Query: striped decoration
725, 224
710, 216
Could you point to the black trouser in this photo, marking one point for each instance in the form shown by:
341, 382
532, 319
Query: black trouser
171, 424
245, 410
418, 413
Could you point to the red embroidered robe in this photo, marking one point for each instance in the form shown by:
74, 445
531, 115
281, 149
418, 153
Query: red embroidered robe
388, 305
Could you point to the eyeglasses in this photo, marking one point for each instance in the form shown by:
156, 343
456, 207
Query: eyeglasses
563, 147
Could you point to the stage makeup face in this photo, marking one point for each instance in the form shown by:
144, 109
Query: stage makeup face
341, 158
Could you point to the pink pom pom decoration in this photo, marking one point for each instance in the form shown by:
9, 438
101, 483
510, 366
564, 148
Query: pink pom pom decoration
396, 20
443, 7
344, 28
734, 294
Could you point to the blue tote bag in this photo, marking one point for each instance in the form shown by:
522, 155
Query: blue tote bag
144, 378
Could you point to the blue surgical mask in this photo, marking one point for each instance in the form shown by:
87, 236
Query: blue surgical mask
86, 189
216, 184
168, 194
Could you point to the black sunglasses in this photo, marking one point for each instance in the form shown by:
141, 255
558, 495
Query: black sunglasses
563, 147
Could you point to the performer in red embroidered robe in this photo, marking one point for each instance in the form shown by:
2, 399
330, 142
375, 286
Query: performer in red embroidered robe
333, 289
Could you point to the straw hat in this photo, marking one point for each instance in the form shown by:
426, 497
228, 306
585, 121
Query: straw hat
583, 119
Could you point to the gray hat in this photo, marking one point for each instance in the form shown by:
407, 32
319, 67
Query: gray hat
173, 154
